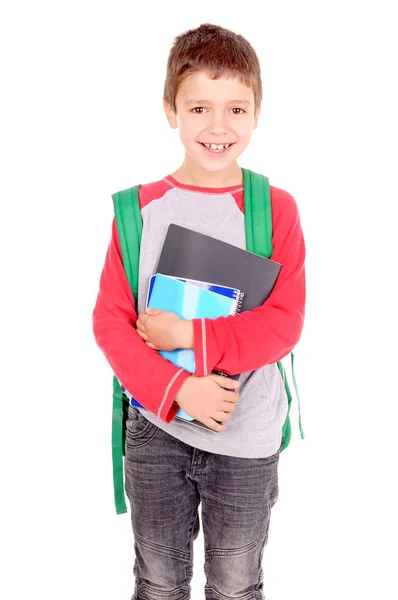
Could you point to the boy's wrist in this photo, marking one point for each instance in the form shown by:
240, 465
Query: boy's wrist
185, 334
183, 389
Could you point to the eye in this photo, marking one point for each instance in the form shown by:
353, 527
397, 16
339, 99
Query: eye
236, 108
197, 108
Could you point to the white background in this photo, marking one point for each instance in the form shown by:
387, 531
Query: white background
82, 118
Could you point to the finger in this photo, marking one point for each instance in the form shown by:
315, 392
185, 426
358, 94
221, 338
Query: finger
143, 318
143, 335
231, 398
228, 408
214, 425
152, 311
225, 382
152, 346
140, 323
222, 416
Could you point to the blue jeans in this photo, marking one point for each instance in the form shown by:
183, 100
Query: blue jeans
165, 480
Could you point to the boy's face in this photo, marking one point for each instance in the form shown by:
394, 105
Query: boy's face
213, 111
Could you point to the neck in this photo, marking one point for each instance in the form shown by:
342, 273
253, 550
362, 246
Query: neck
195, 175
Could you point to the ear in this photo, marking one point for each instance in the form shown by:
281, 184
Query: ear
256, 116
170, 114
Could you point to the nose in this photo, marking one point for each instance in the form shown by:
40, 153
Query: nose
218, 123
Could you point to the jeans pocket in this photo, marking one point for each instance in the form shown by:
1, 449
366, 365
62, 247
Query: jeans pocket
139, 431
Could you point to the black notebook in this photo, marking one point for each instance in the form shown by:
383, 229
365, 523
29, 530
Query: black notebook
192, 255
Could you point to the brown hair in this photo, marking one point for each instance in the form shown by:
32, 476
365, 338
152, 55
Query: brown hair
215, 50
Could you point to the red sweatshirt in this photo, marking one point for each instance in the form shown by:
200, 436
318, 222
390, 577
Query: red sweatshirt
234, 344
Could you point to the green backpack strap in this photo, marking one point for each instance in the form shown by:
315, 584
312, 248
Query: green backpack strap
258, 227
258, 213
129, 226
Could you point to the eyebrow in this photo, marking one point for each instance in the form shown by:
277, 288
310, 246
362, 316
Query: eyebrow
209, 102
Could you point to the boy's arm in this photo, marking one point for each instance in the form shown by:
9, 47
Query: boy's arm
152, 380
266, 334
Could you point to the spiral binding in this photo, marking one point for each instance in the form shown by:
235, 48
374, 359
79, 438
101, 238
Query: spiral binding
239, 302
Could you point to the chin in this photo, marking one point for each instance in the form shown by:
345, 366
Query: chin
217, 163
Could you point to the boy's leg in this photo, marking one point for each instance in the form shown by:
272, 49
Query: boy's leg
237, 495
164, 510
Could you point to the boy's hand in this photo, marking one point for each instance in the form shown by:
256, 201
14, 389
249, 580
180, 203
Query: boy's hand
163, 330
211, 399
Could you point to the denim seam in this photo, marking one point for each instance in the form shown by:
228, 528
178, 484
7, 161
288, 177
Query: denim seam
232, 551
216, 595
162, 549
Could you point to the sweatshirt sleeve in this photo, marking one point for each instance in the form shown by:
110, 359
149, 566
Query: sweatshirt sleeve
265, 334
152, 380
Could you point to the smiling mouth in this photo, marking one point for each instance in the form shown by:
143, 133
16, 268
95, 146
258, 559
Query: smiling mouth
217, 148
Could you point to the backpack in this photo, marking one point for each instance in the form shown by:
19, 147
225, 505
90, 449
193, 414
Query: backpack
258, 228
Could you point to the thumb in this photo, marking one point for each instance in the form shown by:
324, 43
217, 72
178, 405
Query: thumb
152, 311
225, 382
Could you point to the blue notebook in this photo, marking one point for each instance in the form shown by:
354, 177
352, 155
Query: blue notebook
188, 299
223, 290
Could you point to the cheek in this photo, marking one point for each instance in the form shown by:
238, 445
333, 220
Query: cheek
189, 130
243, 131
244, 138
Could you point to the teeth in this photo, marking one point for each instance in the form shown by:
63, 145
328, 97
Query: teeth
217, 147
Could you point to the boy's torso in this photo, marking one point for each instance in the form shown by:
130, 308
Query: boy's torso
255, 429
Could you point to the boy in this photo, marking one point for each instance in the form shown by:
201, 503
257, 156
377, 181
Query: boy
212, 95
